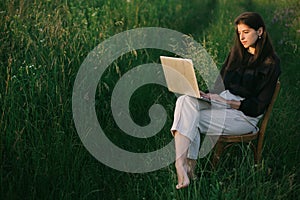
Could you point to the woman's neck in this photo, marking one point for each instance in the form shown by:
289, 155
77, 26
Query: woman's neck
251, 50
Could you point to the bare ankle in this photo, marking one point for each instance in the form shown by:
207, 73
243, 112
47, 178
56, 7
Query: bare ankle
179, 164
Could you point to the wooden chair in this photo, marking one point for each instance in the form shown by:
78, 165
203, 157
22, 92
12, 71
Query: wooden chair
225, 141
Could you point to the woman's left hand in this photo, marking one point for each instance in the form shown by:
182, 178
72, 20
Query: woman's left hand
216, 97
233, 104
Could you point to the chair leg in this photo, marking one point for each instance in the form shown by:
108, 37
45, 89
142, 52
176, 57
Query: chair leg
255, 152
258, 156
217, 153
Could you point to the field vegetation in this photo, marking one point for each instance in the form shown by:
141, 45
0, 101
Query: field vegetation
42, 46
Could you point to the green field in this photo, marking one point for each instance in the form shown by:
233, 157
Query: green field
43, 44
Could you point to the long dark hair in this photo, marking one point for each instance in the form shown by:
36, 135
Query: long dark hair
264, 51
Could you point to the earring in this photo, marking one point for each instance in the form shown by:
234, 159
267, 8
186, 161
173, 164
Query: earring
259, 37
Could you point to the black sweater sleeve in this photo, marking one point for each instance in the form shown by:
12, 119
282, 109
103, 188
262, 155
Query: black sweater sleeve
256, 105
255, 84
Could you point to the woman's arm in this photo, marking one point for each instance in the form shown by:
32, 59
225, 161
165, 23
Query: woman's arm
256, 105
233, 104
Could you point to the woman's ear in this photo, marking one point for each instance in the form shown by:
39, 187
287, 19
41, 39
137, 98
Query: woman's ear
260, 31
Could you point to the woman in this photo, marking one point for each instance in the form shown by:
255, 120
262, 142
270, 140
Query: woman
249, 76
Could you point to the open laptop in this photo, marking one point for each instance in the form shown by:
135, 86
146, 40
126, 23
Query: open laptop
181, 78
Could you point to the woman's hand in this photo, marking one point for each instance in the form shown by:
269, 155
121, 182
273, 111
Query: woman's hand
233, 104
216, 97
204, 94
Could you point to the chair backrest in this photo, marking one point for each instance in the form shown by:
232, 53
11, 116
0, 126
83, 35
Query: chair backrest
266, 116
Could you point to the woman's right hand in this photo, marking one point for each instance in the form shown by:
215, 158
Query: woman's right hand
205, 95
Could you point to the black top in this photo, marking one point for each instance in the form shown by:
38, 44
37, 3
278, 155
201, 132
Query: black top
255, 84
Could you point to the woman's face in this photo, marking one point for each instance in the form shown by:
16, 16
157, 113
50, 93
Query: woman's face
248, 36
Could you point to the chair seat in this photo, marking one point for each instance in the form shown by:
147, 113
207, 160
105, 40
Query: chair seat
226, 141
238, 138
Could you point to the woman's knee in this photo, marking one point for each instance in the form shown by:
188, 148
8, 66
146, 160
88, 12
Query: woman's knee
185, 99
192, 102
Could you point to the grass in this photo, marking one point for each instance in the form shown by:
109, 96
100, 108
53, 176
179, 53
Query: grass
42, 46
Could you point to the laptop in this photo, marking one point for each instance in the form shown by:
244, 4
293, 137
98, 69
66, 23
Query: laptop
181, 78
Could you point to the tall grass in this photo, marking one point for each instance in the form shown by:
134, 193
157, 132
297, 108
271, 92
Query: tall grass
42, 46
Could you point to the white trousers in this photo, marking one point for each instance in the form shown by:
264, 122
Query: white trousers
193, 117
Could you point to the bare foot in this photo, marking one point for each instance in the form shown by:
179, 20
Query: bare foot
183, 179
